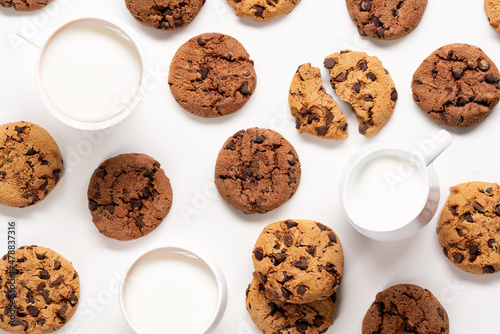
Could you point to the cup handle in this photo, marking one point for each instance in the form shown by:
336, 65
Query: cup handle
432, 147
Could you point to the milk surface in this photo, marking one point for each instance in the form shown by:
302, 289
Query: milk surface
89, 72
171, 293
388, 192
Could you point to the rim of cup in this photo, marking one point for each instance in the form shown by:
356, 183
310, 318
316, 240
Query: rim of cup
362, 159
186, 249
125, 32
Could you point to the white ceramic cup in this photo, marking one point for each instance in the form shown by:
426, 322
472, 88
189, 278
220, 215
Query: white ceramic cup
190, 251
125, 35
415, 165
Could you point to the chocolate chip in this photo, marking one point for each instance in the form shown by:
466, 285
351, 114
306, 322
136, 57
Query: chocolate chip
301, 290
273, 308
321, 130
474, 250
101, 174
329, 63
371, 76
441, 313
244, 88
363, 66
13, 272
356, 87
110, 208
33, 311
492, 243
203, 72
62, 310
19, 129
311, 118
11, 294
41, 322
458, 258
41, 286
332, 237
321, 226
259, 139
478, 207
488, 269
57, 281
285, 293
453, 211
287, 239
468, 218
311, 251
44, 274
297, 124
75, 275
490, 79
40, 256
301, 264
458, 74
259, 254
366, 6
376, 22
381, 32
497, 210
483, 65
31, 151
201, 41
329, 117
239, 134
139, 222
259, 10
330, 268
363, 127
262, 278
46, 296
230, 146
286, 278
291, 223
279, 258
136, 203
57, 264
341, 77
18, 322
301, 326
394, 95
292, 159
318, 321
73, 299
368, 98
272, 294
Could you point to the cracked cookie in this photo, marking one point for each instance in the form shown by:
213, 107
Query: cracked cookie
406, 308
25, 5
272, 317
298, 261
315, 111
30, 164
212, 75
386, 19
257, 170
40, 291
469, 227
164, 14
457, 85
129, 196
362, 81
262, 10
492, 9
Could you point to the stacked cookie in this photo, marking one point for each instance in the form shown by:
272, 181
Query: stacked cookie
298, 270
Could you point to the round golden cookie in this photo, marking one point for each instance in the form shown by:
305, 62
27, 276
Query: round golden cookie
262, 10
362, 81
25, 5
492, 9
315, 111
40, 291
30, 164
278, 317
298, 261
469, 227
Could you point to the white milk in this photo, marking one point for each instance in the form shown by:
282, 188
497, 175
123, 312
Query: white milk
89, 71
171, 293
388, 192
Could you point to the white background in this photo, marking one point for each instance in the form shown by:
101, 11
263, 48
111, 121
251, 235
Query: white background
187, 147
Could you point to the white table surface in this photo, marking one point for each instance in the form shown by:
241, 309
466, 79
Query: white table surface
187, 147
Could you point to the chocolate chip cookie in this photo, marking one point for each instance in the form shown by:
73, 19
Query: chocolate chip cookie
30, 164
315, 111
262, 10
278, 317
492, 9
363, 81
257, 170
129, 196
164, 14
212, 75
469, 227
386, 19
298, 261
457, 85
406, 308
40, 291
25, 5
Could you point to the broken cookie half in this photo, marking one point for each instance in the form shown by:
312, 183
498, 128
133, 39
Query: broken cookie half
315, 111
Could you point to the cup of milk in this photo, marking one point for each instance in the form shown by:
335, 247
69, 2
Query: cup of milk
177, 289
390, 193
91, 73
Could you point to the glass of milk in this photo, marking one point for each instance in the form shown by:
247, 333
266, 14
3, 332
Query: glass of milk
173, 289
391, 193
91, 73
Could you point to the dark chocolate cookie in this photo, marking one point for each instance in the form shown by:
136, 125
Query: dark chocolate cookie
406, 308
314, 110
469, 227
277, 317
39, 291
30, 164
212, 75
457, 85
129, 196
164, 14
262, 10
298, 261
25, 5
386, 19
257, 170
